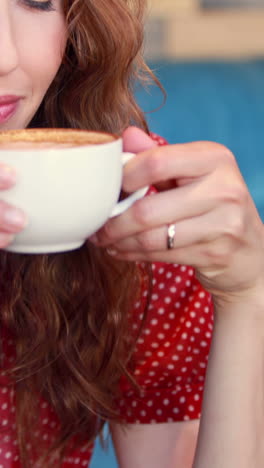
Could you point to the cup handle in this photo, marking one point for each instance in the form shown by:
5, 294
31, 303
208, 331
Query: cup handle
125, 204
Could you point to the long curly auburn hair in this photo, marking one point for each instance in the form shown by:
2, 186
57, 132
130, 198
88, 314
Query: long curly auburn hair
68, 313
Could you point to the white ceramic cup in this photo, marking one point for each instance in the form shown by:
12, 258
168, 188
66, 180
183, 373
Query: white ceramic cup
68, 184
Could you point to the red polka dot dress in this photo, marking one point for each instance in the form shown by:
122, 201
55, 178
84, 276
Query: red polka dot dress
172, 351
169, 363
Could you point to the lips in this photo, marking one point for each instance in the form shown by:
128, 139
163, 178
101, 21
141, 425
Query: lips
8, 106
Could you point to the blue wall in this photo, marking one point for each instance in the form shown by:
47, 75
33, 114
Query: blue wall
222, 102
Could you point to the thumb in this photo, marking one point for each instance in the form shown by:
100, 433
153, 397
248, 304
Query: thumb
136, 140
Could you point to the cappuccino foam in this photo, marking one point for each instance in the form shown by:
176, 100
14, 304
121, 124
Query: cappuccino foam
50, 138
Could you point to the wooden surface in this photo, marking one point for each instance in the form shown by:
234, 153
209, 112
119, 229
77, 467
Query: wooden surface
176, 33
166, 6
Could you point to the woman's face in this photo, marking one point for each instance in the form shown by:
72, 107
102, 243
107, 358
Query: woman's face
32, 44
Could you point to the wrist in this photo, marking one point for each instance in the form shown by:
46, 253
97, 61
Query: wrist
243, 308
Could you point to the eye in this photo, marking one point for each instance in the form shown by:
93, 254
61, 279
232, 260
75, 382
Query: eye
46, 5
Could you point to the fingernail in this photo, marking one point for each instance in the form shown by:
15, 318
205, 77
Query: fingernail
7, 174
94, 239
15, 218
112, 252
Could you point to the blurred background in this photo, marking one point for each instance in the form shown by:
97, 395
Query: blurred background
209, 57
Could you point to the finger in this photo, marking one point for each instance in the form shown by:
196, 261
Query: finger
158, 210
12, 220
206, 228
136, 140
7, 177
195, 257
184, 161
5, 239
208, 256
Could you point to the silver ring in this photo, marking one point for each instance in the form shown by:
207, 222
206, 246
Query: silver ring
171, 236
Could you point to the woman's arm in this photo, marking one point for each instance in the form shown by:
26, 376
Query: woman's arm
170, 445
232, 425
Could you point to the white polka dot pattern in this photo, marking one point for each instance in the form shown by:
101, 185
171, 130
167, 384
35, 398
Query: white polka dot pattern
172, 352
171, 359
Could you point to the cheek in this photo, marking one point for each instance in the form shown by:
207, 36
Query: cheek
41, 58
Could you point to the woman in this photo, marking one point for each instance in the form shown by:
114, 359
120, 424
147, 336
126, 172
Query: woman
120, 329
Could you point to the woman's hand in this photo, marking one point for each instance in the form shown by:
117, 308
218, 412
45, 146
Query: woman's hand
12, 220
200, 190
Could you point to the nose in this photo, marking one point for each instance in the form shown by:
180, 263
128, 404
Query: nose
8, 50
